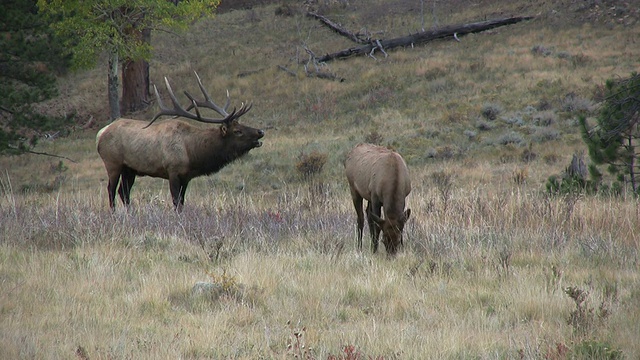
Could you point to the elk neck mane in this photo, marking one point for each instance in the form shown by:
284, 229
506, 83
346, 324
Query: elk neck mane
394, 204
210, 151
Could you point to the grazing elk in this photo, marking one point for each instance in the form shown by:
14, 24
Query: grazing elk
380, 176
175, 150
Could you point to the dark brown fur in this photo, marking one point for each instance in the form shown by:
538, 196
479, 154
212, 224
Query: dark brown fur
174, 149
381, 177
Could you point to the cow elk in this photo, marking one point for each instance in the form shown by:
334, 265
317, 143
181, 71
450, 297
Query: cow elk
175, 150
381, 177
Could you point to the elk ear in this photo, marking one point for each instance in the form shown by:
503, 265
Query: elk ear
223, 130
407, 213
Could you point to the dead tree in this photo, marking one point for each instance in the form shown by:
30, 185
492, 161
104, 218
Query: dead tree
453, 31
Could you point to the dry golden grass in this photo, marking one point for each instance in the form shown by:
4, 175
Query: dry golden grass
486, 262
483, 279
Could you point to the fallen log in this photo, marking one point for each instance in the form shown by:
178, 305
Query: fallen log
453, 31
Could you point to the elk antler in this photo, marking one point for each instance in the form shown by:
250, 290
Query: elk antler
208, 103
195, 104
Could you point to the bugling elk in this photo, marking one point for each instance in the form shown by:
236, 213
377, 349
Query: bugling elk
174, 150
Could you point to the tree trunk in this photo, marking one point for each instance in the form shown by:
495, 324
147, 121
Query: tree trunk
632, 173
112, 85
135, 86
135, 81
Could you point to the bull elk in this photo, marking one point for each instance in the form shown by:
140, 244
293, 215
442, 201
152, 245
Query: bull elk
381, 177
174, 150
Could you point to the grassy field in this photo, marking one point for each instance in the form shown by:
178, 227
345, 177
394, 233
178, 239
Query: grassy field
262, 261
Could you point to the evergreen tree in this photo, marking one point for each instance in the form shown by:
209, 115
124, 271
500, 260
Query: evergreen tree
30, 58
614, 139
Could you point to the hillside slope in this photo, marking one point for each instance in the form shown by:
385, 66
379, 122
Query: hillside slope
491, 98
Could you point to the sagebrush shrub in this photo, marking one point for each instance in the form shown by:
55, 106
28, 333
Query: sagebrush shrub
311, 164
491, 111
374, 137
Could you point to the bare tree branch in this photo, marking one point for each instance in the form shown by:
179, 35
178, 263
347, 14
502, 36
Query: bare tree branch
42, 153
324, 75
338, 28
290, 72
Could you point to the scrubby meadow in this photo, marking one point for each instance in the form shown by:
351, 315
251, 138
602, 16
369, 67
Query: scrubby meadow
262, 261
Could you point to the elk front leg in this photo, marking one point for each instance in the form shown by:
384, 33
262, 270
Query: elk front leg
374, 208
357, 203
178, 189
183, 190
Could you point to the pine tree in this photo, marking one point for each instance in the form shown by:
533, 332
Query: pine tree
613, 141
30, 58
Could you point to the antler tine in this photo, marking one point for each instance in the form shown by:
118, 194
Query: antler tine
172, 96
226, 105
244, 108
163, 110
182, 112
208, 102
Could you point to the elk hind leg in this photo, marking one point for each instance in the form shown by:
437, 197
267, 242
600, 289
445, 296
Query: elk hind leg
114, 178
178, 189
128, 178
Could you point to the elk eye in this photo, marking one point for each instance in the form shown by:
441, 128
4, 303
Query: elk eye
237, 133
